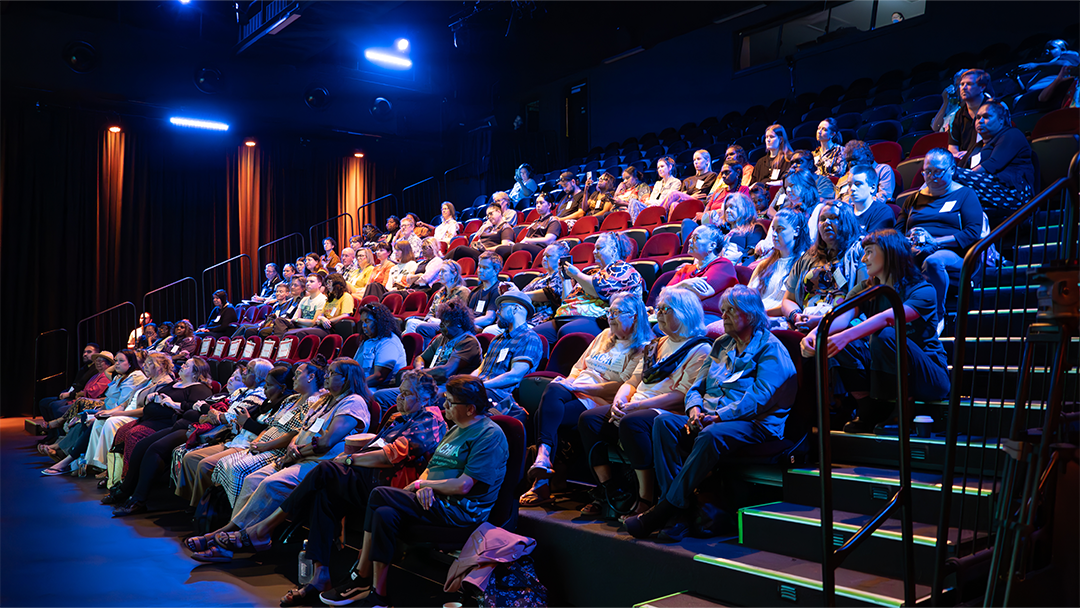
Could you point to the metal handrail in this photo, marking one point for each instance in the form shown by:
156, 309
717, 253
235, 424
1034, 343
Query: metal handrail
832, 558
372, 202
37, 350
134, 320
258, 252
968, 270
195, 286
202, 298
311, 229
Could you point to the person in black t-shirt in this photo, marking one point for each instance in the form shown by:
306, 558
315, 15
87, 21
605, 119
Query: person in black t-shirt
962, 136
543, 232
570, 204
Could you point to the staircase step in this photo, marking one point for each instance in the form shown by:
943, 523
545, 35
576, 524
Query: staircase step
926, 454
999, 381
1005, 297
866, 489
1036, 253
999, 350
797, 582
983, 416
795, 530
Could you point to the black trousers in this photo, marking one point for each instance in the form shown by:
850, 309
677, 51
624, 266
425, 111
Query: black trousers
558, 408
149, 458
389, 509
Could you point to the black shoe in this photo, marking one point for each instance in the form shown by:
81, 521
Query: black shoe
642, 526
132, 508
858, 426
676, 530
352, 590
114, 498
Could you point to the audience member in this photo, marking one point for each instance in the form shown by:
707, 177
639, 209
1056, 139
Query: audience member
133, 337
771, 167
524, 185
791, 239
516, 351
453, 288
735, 152
998, 167
509, 215
631, 191
222, 320
697, 186
448, 226
544, 231
962, 135
601, 202
313, 265
730, 174
329, 259
51, 408
496, 233
858, 153
547, 291
571, 203
871, 213
338, 306
381, 354
710, 274
950, 104
829, 155
743, 232
666, 184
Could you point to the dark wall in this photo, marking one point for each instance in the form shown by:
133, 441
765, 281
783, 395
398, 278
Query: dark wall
692, 77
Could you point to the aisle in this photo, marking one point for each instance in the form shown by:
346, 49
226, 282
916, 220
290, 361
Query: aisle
60, 547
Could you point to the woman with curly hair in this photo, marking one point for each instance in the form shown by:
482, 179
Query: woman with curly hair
381, 353
453, 287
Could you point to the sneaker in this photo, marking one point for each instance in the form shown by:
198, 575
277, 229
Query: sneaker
352, 590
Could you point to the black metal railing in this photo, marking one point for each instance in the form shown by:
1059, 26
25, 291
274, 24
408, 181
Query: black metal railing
385, 209
175, 301
285, 251
996, 304
65, 358
109, 328
224, 277
343, 240
901, 501
422, 197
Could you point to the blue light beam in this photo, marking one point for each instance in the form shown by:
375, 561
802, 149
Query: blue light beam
196, 123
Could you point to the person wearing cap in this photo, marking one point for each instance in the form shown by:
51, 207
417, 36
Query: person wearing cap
571, 205
512, 354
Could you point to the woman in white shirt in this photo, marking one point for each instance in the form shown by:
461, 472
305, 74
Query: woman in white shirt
406, 265
448, 227
668, 368
609, 362
668, 183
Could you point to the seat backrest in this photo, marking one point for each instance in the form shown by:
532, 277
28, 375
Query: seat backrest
660, 282
234, 347
664, 244
308, 347
219, 348
204, 347
888, 153
584, 226
249, 314
329, 346
519, 260
582, 254
472, 226
686, 210
457, 241
414, 345
286, 346
929, 142
567, 351
743, 274
393, 301
368, 300
1065, 121
266, 350
616, 220
484, 340
650, 216
351, 345
468, 267
250, 345
504, 513
532, 216
414, 302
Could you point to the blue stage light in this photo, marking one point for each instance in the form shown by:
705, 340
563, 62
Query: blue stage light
199, 124
402, 44
387, 60
185, 1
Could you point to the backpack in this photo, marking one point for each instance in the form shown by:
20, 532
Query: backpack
513, 584
213, 511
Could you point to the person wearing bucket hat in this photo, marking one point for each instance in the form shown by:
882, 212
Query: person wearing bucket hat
514, 353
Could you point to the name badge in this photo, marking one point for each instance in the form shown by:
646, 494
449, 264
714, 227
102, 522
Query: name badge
286, 416
775, 175
217, 318
839, 277
175, 349
317, 425
333, 312
700, 184
975, 158
734, 377
948, 206
481, 305
502, 356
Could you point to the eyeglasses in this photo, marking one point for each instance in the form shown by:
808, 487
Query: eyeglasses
935, 172
614, 313
663, 309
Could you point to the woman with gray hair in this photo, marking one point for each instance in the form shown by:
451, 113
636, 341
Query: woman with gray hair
593, 382
669, 367
543, 290
587, 302
741, 398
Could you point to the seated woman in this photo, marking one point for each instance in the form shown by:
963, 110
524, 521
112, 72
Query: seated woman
311, 305
699, 185
798, 194
94, 397
338, 414
164, 337
543, 232
406, 266
866, 353
608, 363
710, 274
359, 277
822, 277
858, 153
664, 186
383, 264
524, 185
427, 269
632, 191
338, 307
313, 265
288, 271
453, 288
340, 487
128, 380
329, 259
829, 155
149, 455
381, 354
284, 413
273, 278
587, 302
222, 320
393, 224
183, 343
493, 234
736, 153
728, 184
743, 232
670, 366
790, 242
803, 160
740, 398
771, 167
547, 291
998, 168
949, 216
458, 488
448, 226
601, 202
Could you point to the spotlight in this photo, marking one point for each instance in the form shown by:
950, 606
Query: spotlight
199, 124
387, 60
80, 56
402, 44
185, 1
317, 98
209, 80
114, 129
250, 143
358, 154
382, 109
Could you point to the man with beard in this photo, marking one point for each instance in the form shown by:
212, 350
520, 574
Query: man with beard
54, 407
512, 354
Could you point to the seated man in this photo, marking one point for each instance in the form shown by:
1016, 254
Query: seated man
859, 153
494, 233
457, 490
502, 199
541, 233
512, 354
962, 135
54, 407
742, 398
871, 214
571, 205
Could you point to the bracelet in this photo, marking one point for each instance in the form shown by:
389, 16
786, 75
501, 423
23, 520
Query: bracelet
791, 317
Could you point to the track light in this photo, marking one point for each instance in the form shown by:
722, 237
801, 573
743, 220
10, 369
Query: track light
358, 154
387, 60
250, 143
402, 44
196, 123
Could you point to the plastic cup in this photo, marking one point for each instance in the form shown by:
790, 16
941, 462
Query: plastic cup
923, 426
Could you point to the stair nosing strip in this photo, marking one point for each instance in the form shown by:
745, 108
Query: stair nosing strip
922, 485
926, 541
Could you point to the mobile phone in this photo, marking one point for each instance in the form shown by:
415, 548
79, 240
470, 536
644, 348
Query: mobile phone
588, 175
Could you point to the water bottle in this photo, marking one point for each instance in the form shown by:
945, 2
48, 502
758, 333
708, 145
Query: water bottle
306, 570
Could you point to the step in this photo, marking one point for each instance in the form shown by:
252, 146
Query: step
1005, 297
763, 578
1036, 253
999, 350
795, 530
867, 489
926, 454
1001, 381
982, 416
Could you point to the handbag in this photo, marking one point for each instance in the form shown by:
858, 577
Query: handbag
513, 584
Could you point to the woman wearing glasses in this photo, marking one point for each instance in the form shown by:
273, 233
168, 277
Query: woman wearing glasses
593, 382
669, 367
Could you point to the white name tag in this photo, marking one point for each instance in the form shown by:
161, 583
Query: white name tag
502, 356
217, 318
317, 425
700, 184
975, 158
481, 305
175, 349
775, 174
734, 377
286, 416
948, 206
838, 276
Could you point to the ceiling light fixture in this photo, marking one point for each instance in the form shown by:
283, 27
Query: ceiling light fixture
402, 44
387, 60
114, 129
196, 123
358, 154
250, 143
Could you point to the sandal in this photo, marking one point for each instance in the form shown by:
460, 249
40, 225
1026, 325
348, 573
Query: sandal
238, 541
198, 544
300, 596
594, 508
540, 472
641, 502
536, 496
213, 555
